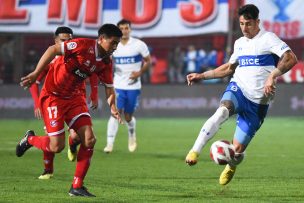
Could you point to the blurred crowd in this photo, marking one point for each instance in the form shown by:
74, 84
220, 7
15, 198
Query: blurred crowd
6, 59
182, 61
192, 60
170, 62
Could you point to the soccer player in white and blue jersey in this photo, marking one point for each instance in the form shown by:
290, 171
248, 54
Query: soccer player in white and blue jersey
131, 60
259, 57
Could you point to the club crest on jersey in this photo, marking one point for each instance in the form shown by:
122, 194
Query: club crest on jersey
53, 123
80, 74
71, 45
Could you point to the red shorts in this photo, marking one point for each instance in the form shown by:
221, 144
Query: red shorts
56, 111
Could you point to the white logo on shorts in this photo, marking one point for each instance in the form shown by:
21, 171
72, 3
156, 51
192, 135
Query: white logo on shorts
234, 88
53, 123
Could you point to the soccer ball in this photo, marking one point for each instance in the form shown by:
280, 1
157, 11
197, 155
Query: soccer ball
221, 152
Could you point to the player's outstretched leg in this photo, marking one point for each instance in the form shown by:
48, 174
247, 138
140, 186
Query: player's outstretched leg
132, 145
24, 145
208, 130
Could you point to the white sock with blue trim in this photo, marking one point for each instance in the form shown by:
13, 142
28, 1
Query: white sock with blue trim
210, 128
112, 130
132, 127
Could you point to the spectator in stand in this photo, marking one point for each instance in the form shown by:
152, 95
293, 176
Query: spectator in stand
213, 61
7, 59
175, 65
190, 60
202, 61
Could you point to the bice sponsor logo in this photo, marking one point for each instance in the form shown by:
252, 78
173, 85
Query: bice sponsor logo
249, 61
125, 60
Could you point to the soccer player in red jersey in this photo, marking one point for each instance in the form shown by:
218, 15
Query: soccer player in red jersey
61, 34
62, 98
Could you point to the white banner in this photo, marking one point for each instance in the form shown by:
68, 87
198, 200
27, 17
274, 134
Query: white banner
150, 18
283, 17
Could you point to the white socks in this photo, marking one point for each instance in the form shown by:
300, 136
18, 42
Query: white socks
210, 127
112, 130
131, 127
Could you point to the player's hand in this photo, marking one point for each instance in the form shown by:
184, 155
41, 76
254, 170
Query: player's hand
193, 77
134, 75
37, 113
94, 104
116, 115
28, 80
270, 86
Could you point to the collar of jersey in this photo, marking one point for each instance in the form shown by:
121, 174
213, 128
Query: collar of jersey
96, 52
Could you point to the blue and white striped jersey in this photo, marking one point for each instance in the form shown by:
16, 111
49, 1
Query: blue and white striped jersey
256, 58
128, 58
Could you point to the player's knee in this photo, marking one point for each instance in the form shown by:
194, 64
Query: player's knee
57, 148
229, 106
128, 117
90, 142
221, 114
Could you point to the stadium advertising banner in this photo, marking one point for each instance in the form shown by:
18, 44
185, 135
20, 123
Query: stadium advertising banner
283, 17
150, 18
160, 101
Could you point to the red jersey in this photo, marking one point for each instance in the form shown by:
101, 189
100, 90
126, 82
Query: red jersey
66, 77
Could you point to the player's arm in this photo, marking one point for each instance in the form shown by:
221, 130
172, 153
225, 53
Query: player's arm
94, 91
106, 77
220, 72
288, 60
34, 90
146, 65
111, 99
46, 58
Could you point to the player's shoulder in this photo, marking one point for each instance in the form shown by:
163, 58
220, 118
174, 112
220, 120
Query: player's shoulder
85, 41
82, 39
135, 40
270, 35
79, 43
239, 41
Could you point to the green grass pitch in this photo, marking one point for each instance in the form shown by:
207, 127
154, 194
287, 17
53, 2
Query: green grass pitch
272, 171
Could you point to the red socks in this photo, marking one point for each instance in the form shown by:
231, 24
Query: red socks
48, 159
40, 142
83, 162
43, 142
83, 158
